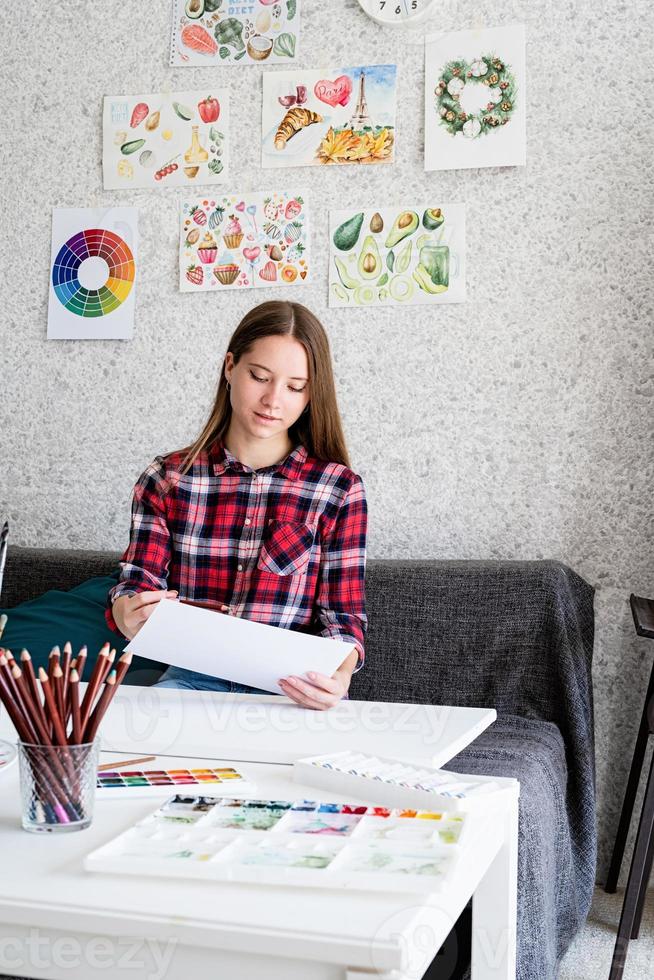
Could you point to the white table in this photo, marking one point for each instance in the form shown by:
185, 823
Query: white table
60, 922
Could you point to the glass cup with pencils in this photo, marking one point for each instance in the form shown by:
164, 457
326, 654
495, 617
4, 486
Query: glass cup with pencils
57, 728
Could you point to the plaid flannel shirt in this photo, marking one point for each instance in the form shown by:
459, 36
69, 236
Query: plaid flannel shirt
283, 545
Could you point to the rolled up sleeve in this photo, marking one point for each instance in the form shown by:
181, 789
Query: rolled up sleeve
144, 565
340, 602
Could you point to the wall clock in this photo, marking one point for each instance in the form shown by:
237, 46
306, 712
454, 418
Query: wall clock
400, 13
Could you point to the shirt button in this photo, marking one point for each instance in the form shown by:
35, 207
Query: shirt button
247, 520
240, 568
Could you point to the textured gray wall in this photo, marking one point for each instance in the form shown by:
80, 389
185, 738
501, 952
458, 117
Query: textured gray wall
517, 425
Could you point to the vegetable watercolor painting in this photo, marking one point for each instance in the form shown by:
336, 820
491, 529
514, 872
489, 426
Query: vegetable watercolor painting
329, 116
244, 242
158, 140
393, 256
221, 32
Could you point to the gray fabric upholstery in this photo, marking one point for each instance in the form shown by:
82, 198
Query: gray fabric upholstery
514, 635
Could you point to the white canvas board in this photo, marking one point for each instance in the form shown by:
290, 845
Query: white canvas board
237, 649
475, 99
412, 254
165, 139
329, 117
225, 32
93, 271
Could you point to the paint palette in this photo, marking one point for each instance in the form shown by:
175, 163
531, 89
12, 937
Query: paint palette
149, 782
301, 842
396, 783
7, 755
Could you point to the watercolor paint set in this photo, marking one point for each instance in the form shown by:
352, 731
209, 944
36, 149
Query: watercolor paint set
302, 842
216, 781
394, 783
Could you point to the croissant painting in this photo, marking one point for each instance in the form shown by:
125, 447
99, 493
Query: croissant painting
295, 120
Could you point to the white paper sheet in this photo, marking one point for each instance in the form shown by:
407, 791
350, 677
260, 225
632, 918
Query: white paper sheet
236, 649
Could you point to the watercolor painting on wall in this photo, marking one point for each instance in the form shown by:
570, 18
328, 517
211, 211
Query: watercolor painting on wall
475, 99
158, 140
224, 32
93, 269
397, 256
331, 116
244, 242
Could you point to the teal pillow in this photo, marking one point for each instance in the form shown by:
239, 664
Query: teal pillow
78, 616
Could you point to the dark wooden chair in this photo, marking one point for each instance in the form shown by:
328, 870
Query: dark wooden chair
643, 857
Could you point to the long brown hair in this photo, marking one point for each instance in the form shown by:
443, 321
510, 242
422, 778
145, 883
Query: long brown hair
319, 428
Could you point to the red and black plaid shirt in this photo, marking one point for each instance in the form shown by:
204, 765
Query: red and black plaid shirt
283, 545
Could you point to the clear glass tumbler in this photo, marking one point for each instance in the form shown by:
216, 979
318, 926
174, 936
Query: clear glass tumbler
57, 786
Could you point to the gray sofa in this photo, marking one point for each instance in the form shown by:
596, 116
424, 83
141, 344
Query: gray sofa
517, 636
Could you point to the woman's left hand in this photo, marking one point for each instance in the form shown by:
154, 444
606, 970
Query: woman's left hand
319, 692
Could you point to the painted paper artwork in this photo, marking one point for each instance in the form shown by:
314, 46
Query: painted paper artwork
224, 32
329, 116
244, 242
93, 270
159, 140
475, 101
397, 256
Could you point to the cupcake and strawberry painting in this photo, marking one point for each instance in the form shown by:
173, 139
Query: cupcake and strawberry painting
244, 242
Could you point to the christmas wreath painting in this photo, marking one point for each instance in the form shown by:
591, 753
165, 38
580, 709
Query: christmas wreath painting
487, 70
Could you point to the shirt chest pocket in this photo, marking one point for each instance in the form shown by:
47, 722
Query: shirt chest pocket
286, 547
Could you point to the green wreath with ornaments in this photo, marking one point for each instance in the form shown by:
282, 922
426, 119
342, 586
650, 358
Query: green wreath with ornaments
487, 70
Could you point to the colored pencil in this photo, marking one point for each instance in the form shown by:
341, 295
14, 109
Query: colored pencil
7, 663
57, 681
123, 763
65, 669
81, 660
52, 707
53, 656
100, 709
3, 623
123, 666
94, 683
75, 737
28, 671
109, 664
34, 708
13, 697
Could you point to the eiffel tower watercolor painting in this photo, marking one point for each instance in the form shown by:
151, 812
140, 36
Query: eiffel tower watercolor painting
320, 118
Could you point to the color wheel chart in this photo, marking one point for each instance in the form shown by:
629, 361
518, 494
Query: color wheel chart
81, 264
93, 275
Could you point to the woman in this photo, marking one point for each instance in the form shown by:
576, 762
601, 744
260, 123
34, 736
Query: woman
261, 516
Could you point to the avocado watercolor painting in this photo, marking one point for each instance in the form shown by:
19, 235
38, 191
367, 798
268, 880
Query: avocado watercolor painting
390, 256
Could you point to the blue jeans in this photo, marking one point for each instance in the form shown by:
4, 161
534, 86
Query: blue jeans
193, 680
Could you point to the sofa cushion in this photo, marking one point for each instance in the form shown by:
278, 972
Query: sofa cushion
78, 616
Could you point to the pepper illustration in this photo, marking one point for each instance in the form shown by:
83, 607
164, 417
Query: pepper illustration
209, 109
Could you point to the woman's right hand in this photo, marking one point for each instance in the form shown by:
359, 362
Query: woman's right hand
131, 611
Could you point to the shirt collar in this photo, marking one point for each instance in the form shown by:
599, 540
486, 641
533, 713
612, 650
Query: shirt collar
289, 467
